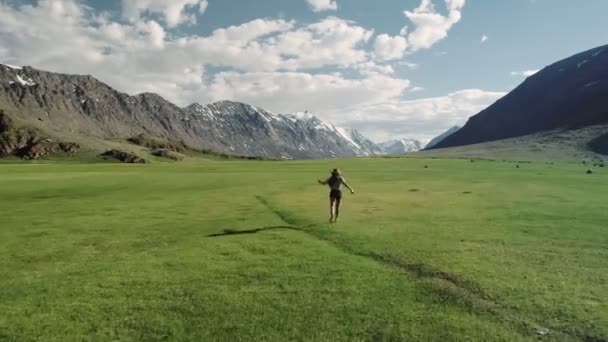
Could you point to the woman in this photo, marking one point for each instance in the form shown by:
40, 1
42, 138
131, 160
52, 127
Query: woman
335, 183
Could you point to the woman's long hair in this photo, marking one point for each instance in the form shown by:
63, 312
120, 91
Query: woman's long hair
336, 176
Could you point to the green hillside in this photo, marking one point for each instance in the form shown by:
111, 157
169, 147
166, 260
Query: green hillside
560, 145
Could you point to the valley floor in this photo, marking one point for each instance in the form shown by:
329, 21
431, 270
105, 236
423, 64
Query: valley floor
432, 250
559, 145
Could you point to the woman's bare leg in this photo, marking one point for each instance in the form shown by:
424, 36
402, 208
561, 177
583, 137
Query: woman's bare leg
332, 201
337, 209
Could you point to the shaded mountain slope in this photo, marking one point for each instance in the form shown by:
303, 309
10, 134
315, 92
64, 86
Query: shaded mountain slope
442, 137
569, 94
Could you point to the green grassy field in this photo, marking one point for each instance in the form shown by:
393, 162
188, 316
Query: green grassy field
229, 251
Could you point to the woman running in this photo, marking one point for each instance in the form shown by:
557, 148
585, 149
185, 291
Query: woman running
335, 183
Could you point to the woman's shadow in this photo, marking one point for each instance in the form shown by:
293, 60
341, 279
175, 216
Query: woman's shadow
228, 231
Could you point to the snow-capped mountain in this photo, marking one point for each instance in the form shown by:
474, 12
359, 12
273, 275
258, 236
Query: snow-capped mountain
400, 146
367, 147
244, 129
81, 105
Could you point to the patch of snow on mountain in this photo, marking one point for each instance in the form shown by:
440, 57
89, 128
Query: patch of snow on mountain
591, 84
305, 116
326, 126
579, 65
28, 82
597, 53
12, 66
400, 146
346, 135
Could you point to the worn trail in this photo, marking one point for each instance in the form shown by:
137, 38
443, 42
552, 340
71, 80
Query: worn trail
450, 288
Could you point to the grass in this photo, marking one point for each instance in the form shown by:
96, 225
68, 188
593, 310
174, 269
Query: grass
232, 251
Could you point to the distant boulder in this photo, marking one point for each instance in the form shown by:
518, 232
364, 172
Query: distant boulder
37, 150
123, 157
168, 154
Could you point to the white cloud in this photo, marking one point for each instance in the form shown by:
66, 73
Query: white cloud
371, 68
420, 119
410, 65
202, 7
484, 39
416, 89
389, 48
156, 34
331, 41
431, 27
323, 5
293, 91
268, 62
524, 73
174, 12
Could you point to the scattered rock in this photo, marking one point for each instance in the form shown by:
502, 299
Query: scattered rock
542, 331
40, 149
426, 166
123, 157
164, 153
517, 166
589, 171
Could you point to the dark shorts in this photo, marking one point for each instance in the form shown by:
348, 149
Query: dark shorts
335, 194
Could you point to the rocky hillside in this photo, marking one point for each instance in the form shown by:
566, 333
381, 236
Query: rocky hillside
29, 143
569, 94
401, 146
83, 106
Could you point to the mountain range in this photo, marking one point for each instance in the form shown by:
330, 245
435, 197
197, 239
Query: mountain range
43, 112
85, 110
400, 146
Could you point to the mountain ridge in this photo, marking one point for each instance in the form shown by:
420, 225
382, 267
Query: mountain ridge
400, 146
442, 137
568, 94
82, 105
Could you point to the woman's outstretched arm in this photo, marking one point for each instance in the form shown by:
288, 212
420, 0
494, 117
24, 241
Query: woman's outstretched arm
347, 186
322, 182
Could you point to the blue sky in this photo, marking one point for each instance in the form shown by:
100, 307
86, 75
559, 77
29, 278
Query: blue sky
348, 61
